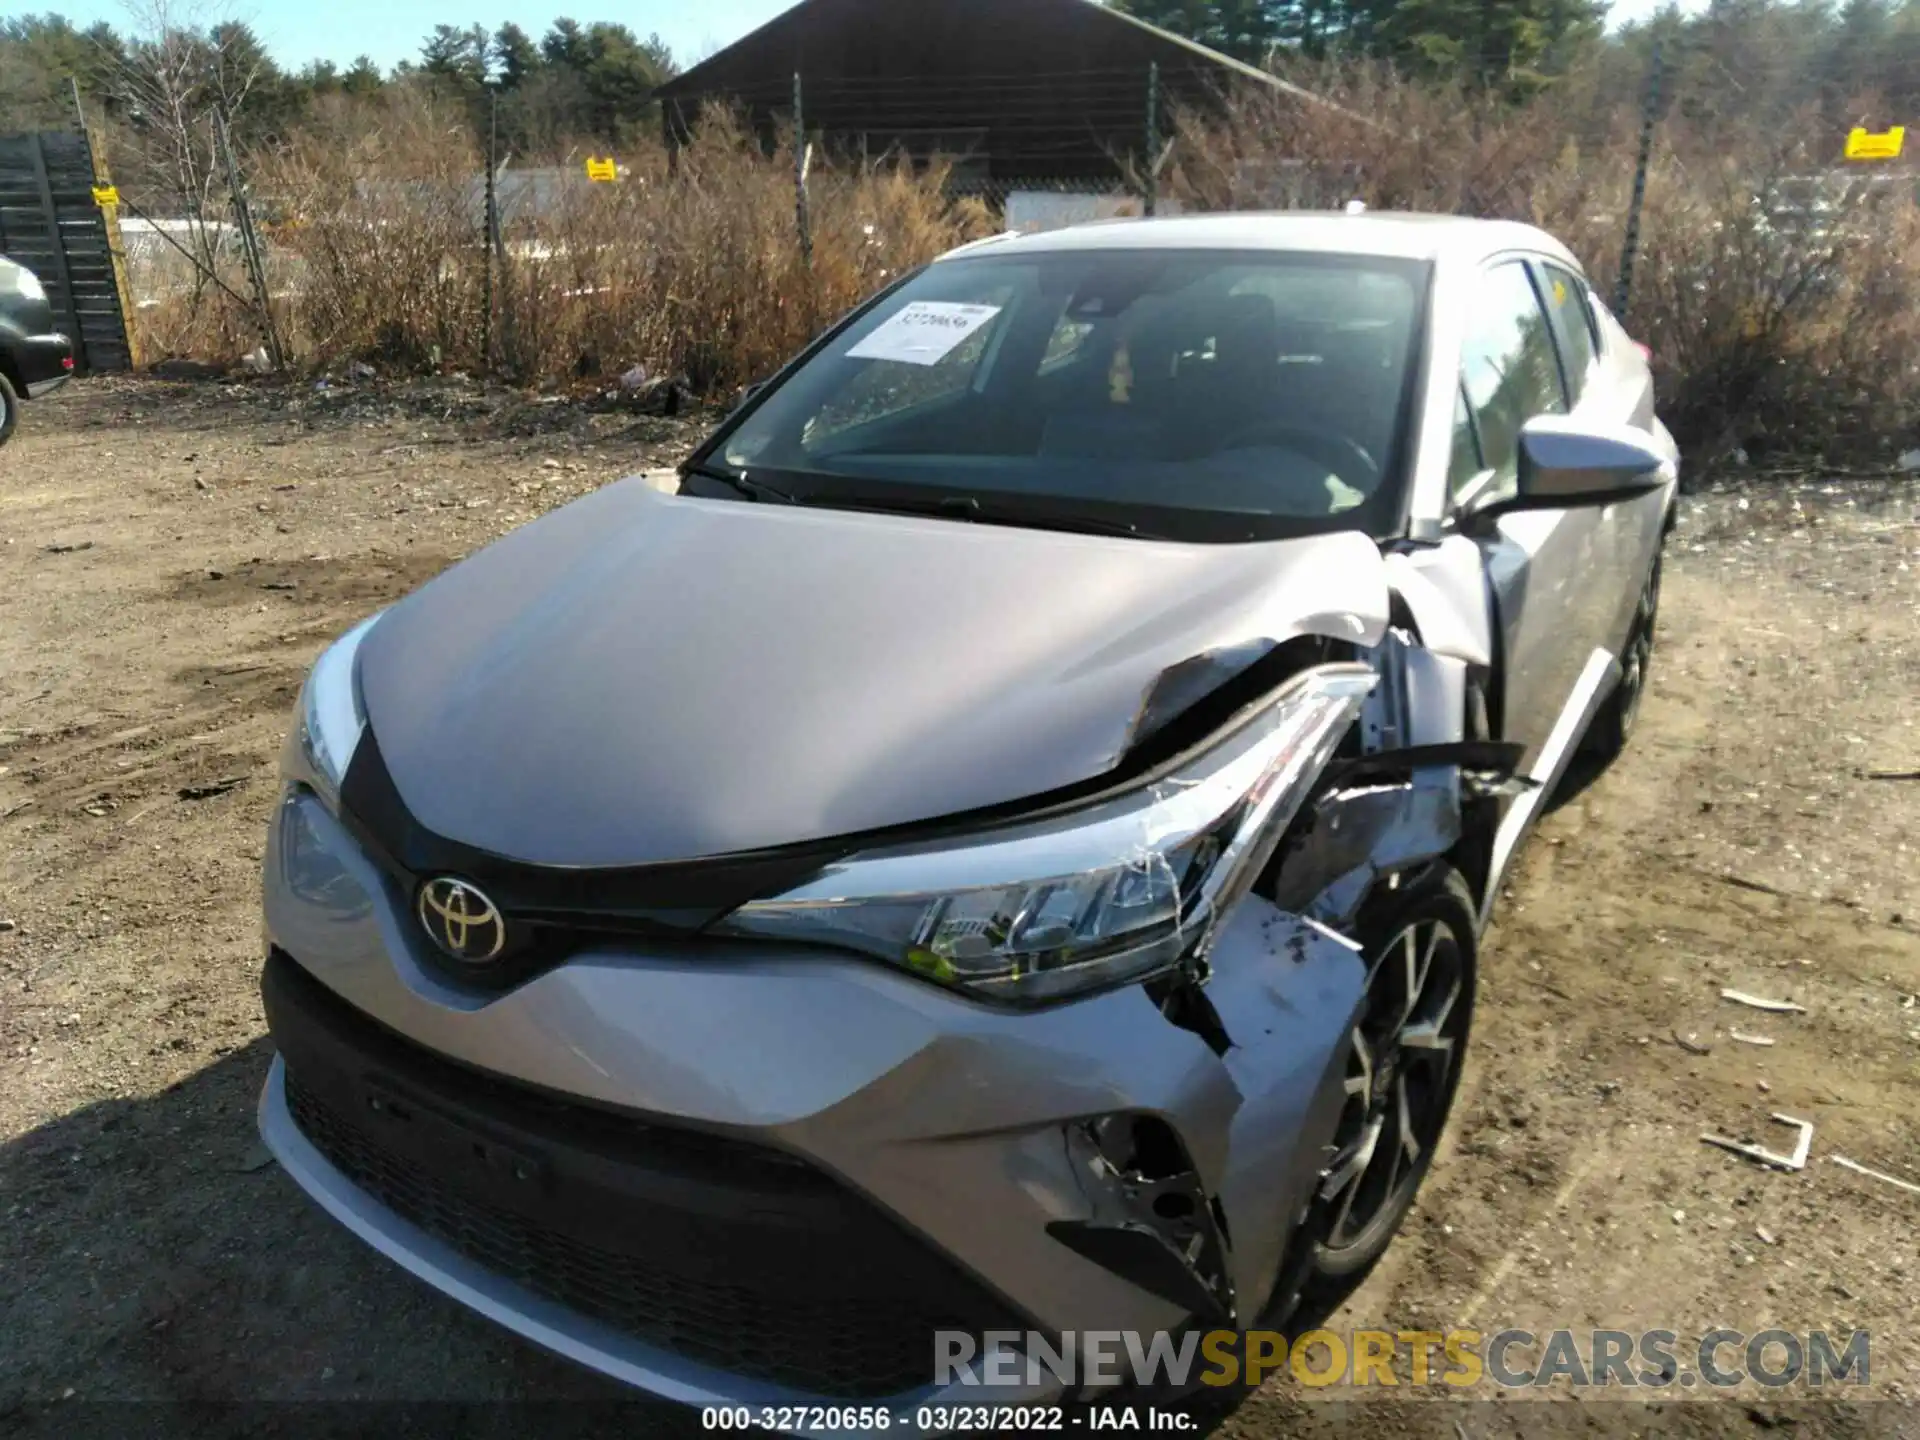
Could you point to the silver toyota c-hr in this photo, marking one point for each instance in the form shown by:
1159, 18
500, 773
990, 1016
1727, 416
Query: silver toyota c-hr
1002, 846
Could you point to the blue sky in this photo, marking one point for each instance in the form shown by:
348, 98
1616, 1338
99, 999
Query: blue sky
296, 31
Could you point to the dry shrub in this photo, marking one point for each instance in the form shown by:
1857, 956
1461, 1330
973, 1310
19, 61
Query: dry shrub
374, 207
189, 324
1770, 332
190, 290
696, 273
1777, 331
700, 273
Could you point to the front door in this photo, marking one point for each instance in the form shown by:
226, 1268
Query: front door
1551, 570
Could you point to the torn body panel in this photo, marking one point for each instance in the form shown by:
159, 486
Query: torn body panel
1285, 990
1037, 885
1278, 979
1421, 698
1358, 837
1364, 828
1151, 1219
965, 1121
1444, 588
1377, 816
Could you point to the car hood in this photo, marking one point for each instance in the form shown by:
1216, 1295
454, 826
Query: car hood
641, 677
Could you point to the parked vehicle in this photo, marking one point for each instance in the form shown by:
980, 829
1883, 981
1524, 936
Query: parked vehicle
34, 357
1003, 847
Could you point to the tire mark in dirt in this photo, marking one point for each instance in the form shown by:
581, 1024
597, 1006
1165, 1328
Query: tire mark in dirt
1510, 1261
330, 581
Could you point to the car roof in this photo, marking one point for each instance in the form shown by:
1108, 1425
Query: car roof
1393, 234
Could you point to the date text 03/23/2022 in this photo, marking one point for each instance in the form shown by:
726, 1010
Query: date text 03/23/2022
943, 1419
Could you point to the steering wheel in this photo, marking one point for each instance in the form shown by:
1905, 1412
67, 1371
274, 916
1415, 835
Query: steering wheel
1334, 450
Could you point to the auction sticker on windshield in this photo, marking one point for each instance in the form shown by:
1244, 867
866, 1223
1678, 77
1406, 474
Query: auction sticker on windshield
924, 333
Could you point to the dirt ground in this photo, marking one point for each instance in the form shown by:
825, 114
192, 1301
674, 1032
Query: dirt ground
173, 556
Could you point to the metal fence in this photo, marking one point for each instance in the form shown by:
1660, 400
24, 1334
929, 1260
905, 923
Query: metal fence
52, 222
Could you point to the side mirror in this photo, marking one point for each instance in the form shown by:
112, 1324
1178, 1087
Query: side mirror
1565, 462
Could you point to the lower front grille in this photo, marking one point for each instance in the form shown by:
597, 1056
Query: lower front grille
763, 1268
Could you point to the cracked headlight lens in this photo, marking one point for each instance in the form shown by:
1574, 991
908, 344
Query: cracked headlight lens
330, 719
1094, 897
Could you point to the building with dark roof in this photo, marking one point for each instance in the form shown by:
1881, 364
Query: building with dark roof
1016, 92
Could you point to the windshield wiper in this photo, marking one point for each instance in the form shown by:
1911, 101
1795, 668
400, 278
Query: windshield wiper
741, 485
951, 507
970, 507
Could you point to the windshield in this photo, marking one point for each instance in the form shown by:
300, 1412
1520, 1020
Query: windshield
1194, 395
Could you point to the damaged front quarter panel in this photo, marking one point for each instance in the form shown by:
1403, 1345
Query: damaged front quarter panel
1188, 1179
1211, 1238
1281, 968
1286, 989
1354, 838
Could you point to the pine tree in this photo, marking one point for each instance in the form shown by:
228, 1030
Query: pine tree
1244, 29
458, 56
515, 56
1509, 45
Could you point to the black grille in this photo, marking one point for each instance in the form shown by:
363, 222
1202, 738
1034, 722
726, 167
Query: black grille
742, 1259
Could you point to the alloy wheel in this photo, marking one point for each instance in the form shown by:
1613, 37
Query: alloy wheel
1401, 1062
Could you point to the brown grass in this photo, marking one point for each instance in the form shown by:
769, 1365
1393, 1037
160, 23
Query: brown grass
698, 273
1765, 338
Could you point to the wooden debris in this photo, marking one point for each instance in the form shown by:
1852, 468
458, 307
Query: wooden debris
1859, 1169
1795, 1161
1758, 1002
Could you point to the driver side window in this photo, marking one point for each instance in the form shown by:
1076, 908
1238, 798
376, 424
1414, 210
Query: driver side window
1508, 368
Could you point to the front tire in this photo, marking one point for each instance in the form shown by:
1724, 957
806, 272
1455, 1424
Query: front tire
1403, 1068
9, 408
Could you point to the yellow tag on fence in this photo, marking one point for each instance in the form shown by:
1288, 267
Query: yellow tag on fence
1863, 144
602, 168
106, 195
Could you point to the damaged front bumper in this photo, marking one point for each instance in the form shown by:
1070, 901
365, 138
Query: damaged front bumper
1090, 1165
663, 1157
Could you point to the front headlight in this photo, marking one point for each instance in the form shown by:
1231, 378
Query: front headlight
1097, 897
331, 717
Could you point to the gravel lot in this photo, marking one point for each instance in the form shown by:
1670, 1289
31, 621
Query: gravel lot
173, 556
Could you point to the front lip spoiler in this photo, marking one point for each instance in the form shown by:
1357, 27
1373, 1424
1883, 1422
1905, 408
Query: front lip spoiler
552, 1326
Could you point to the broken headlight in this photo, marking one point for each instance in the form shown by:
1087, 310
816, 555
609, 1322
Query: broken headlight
1109, 893
328, 726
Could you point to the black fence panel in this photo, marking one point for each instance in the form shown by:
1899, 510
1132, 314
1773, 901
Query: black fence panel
50, 223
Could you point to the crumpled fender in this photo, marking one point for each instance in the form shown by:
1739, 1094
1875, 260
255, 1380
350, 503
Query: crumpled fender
1284, 980
1445, 589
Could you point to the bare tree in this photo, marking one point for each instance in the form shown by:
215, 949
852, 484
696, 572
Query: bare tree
186, 62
